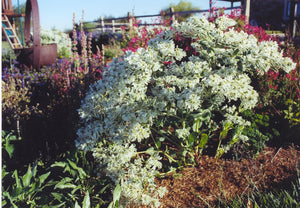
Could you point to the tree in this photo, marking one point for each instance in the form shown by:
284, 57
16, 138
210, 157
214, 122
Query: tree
182, 6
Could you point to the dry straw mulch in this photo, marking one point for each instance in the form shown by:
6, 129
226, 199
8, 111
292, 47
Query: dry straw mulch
224, 179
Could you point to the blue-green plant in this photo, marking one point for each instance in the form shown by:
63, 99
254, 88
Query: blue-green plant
165, 102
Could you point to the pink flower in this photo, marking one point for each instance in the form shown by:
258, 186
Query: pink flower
167, 63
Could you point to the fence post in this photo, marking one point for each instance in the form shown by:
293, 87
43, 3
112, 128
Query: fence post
247, 11
129, 20
102, 23
292, 20
103, 53
113, 26
172, 16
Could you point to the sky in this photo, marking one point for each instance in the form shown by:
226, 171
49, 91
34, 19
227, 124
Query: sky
59, 13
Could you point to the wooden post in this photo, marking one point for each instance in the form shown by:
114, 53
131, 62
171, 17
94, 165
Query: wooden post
129, 20
172, 16
113, 26
292, 22
295, 21
247, 11
102, 24
210, 7
103, 53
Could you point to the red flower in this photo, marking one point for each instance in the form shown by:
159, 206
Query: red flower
167, 63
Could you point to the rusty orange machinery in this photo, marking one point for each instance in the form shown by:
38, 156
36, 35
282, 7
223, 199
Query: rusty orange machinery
33, 53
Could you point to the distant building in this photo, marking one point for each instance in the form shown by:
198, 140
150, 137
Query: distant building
271, 14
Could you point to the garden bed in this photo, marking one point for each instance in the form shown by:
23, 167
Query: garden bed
214, 180
176, 122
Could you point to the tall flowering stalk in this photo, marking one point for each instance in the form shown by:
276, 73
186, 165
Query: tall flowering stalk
89, 43
75, 57
84, 52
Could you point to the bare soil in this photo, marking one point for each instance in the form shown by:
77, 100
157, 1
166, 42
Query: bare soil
223, 179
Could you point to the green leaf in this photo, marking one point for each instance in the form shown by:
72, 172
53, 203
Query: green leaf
72, 164
104, 188
76, 189
161, 139
86, 201
9, 148
65, 183
34, 169
235, 52
9, 136
158, 143
77, 205
81, 172
197, 124
18, 182
192, 137
27, 177
65, 186
57, 196
203, 141
59, 164
3, 203
44, 177
57, 206
3, 133
117, 193
220, 152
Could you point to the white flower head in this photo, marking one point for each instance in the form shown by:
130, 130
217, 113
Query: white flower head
224, 22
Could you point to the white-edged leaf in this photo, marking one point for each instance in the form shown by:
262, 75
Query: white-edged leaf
86, 201
117, 193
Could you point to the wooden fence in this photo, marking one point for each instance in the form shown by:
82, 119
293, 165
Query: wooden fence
115, 24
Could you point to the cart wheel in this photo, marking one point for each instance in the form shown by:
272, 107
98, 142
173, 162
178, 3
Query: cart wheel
32, 10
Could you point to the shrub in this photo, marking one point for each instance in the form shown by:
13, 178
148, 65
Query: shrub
16, 92
158, 107
138, 37
279, 92
61, 39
